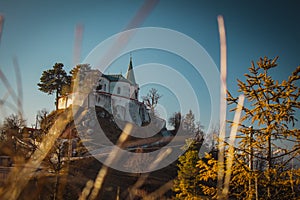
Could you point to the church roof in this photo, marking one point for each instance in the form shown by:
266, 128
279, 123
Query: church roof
115, 78
130, 74
119, 77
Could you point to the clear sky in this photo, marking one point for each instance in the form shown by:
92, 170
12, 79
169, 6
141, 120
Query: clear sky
40, 33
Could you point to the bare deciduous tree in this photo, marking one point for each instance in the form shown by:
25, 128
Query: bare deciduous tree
151, 99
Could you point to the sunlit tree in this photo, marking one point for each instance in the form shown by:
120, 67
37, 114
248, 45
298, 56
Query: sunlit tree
55, 80
13, 122
268, 140
187, 183
272, 134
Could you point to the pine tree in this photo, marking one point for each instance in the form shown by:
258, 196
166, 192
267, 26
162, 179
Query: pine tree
189, 122
175, 121
186, 186
76, 71
56, 81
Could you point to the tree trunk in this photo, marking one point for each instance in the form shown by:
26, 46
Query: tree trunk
56, 187
269, 166
56, 100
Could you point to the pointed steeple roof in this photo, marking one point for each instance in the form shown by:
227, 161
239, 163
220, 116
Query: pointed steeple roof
130, 74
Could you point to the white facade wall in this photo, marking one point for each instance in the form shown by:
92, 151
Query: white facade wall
105, 85
134, 91
62, 103
120, 98
123, 108
120, 88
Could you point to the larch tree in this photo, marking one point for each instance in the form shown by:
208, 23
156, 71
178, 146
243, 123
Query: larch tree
267, 140
55, 80
268, 132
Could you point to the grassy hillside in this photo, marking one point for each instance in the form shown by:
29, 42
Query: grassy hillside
69, 180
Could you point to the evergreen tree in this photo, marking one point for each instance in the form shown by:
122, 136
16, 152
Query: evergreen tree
186, 185
56, 81
189, 122
187, 125
79, 68
84, 78
175, 120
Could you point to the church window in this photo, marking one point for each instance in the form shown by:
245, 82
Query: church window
99, 87
118, 90
104, 88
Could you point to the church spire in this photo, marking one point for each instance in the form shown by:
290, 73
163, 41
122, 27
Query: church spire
130, 74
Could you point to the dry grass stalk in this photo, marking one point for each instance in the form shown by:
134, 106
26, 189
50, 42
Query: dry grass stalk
1, 25
160, 191
112, 157
162, 155
19, 177
77, 44
223, 103
19, 86
9, 88
230, 154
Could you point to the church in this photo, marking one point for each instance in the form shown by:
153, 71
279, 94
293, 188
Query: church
116, 94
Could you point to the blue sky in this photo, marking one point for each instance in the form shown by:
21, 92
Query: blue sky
40, 33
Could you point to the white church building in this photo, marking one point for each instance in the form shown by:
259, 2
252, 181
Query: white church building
116, 94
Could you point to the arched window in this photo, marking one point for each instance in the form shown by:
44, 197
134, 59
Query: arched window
118, 90
104, 87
